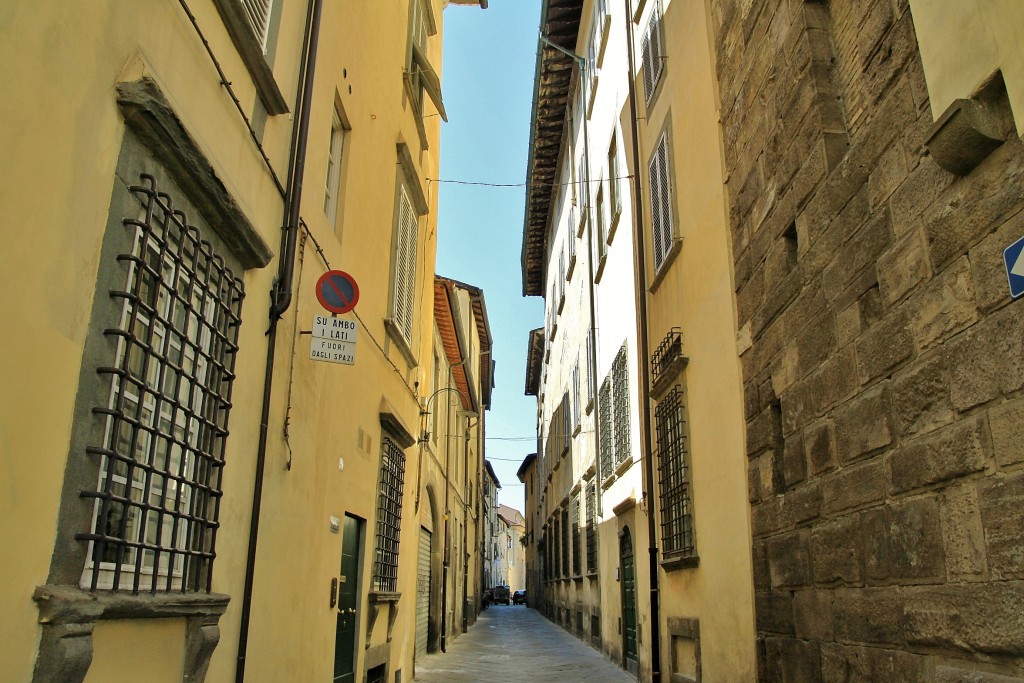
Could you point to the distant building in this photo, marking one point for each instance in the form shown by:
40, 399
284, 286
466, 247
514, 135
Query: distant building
779, 380
515, 558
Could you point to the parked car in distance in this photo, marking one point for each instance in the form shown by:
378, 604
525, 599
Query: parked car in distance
501, 595
519, 598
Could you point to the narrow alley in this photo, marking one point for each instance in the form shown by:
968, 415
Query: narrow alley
517, 644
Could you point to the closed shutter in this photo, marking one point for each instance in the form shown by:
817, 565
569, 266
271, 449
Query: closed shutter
422, 592
405, 266
652, 54
661, 205
258, 14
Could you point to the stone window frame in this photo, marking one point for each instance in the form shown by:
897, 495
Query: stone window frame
256, 52
409, 207
336, 163
675, 484
154, 140
419, 77
388, 518
663, 189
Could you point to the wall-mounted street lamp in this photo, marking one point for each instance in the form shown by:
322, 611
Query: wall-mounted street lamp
425, 436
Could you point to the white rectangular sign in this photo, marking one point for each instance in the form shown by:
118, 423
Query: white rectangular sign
338, 329
330, 351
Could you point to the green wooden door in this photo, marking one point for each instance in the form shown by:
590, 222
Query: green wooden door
628, 599
348, 602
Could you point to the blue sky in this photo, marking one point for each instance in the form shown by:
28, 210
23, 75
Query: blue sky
487, 81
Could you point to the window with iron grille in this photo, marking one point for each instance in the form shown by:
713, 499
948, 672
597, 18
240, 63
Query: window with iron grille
165, 418
556, 554
576, 395
653, 54
592, 522
605, 441
389, 515
565, 542
577, 559
571, 248
676, 515
661, 201
620, 397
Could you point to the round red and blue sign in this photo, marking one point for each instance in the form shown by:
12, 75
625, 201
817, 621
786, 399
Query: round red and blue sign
337, 291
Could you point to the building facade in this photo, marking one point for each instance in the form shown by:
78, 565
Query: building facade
514, 541
824, 207
218, 502
491, 487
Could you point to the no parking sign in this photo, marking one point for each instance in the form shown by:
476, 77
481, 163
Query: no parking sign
337, 291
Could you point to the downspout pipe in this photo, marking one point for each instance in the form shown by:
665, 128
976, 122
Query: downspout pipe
640, 282
281, 298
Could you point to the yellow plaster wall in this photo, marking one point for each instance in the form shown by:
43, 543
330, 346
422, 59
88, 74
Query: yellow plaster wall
62, 135
696, 294
140, 651
963, 42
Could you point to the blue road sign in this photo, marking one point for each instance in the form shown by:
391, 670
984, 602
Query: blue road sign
1013, 255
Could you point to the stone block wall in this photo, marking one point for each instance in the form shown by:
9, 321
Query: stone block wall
884, 367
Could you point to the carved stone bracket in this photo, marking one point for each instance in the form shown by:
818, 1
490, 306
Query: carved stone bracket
379, 599
69, 614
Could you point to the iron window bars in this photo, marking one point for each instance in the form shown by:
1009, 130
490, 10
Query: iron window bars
620, 391
669, 352
565, 542
577, 559
389, 515
161, 459
592, 522
673, 471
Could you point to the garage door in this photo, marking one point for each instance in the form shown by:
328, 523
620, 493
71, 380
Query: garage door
422, 592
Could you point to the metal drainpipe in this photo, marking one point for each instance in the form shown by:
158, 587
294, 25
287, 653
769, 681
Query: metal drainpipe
281, 298
640, 279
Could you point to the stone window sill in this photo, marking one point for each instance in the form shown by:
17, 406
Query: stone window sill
69, 614
683, 562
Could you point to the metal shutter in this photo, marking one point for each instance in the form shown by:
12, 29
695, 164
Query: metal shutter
422, 592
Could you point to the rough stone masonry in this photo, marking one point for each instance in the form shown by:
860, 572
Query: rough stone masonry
884, 374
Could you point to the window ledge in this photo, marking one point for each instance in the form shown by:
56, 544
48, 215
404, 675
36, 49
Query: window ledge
616, 215
68, 616
623, 467
682, 562
395, 334
668, 376
600, 268
670, 257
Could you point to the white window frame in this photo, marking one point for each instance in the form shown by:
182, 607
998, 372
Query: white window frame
335, 157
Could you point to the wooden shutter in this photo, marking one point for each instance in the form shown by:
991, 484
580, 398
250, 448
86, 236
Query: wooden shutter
661, 205
258, 14
405, 266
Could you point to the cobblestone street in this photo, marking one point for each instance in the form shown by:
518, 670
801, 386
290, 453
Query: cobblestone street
518, 645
